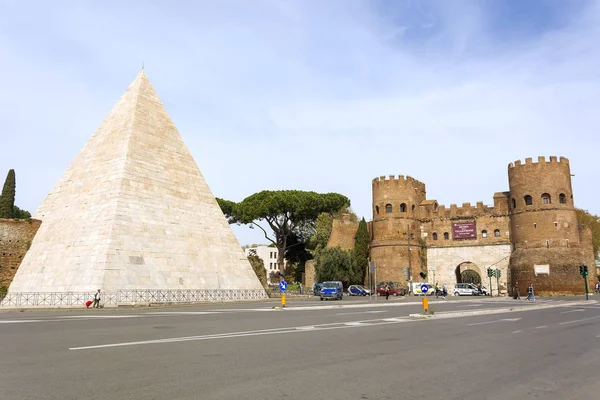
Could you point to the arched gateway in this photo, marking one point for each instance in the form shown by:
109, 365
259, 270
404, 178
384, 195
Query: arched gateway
467, 272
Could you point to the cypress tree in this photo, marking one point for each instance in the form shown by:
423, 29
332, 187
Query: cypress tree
7, 200
361, 252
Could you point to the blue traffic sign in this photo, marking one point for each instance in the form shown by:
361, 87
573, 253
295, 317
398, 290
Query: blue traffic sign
283, 286
424, 289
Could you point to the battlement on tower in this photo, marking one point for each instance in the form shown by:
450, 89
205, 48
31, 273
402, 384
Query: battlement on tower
432, 210
399, 181
541, 162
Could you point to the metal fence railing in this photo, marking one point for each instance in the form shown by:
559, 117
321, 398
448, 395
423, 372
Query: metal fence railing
122, 297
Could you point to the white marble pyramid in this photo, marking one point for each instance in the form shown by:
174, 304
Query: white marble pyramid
133, 211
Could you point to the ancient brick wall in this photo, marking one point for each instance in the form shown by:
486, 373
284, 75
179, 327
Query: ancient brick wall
343, 231
15, 238
562, 276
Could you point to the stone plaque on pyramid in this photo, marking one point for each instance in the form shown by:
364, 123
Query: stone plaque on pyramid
133, 211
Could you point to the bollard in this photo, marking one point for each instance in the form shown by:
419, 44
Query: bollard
425, 304
283, 300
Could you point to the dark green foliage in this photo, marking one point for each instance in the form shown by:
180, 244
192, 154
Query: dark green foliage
7, 199
287, 212
360, 254
228, 208
296, 256
592, 222
323, 226
334, 264
21, 214
258, 266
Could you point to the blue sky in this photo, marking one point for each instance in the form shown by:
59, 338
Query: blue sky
312, 95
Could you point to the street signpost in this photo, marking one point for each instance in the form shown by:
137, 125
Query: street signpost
498, 273
424, 289
283, 288
583, 271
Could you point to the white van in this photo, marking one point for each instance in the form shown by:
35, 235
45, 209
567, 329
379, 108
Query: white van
416, 288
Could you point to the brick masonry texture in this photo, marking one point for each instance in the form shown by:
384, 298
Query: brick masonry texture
133, 211
16, 236
534, 223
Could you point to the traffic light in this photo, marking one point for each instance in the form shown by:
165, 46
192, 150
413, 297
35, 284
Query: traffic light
585, 270
490, 272
581, 270
498, 273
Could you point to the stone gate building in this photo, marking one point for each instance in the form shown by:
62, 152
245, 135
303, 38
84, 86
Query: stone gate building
530, 234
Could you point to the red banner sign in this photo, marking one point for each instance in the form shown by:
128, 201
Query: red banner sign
464, 230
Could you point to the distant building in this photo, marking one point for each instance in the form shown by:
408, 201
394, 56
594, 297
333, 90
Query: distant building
269, 257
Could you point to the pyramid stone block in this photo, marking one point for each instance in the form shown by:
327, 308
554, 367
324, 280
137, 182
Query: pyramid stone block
133, 211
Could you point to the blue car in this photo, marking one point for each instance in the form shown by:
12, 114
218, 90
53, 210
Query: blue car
332, 290
358, 290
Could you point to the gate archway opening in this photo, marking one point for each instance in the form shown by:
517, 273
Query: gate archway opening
467, 272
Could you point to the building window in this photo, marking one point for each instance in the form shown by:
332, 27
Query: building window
402, 207
514, 203
497, 233
377, 210
446, 236
388, 208
547, 244
435, 206
528, 200
534, 225
484, 233
546, 199
434, 236
413, 208
562, 198
556, 224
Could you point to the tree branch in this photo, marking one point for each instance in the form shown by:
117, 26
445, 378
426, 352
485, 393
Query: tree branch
265, 232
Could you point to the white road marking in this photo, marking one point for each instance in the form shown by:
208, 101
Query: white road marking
493, 322
541, 327
305, 328
100, 316
183, 313
274, 331
579, 320
19, 321
361, 312
570, 311
518, 331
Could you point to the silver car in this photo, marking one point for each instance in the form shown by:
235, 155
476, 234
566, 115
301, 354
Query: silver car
465, 289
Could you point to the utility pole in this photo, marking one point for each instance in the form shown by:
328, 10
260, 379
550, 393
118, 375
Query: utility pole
410, 288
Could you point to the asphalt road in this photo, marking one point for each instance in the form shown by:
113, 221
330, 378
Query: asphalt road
353, 349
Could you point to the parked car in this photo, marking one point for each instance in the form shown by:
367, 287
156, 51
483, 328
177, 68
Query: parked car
358, 290
332, 290
465, 289
317, 289
394, 291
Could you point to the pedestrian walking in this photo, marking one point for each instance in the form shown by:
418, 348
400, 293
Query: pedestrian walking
598, 288
96, 299
517, 295
530, 293
387, 292
437, 289
444, 291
